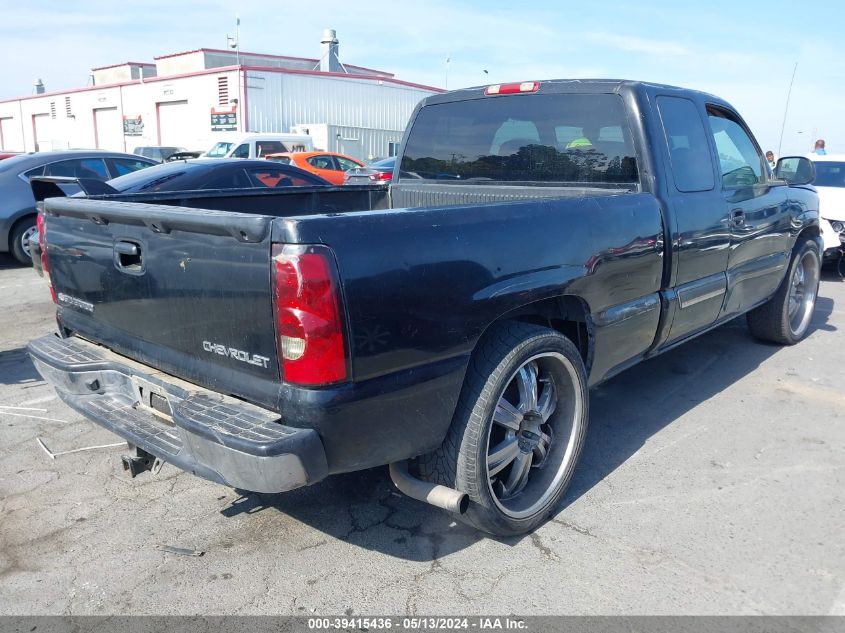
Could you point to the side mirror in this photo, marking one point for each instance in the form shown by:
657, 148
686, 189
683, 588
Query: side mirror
795, 170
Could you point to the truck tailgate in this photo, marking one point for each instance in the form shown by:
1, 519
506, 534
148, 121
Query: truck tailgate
183, 290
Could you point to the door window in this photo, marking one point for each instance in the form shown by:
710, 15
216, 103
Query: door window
241, 151
686, 140
229, 179
262, 177
78, 168
123, 166
322, 162
740, 160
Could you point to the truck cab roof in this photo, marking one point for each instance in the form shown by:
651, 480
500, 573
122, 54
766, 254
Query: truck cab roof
571, 86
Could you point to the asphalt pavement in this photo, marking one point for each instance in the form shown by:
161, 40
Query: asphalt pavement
713, 482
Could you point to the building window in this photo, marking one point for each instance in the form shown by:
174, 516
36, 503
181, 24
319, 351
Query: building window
68, 111
392, 149
52, 109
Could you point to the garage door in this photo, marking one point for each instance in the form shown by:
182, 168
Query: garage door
174, 124
41, 132
108, 129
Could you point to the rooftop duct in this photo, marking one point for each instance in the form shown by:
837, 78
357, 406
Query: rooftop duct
329, 53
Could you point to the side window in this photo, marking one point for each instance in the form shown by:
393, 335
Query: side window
262, 148
38, 171
241, 151
123, 166
689, 152
93, 168
229, 179
346, 164
78, 168
740, 161
321, 162
270, 178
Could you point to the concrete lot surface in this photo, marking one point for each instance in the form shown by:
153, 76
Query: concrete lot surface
713, 482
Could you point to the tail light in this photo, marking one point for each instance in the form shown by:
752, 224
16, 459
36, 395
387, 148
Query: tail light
41, 225
310, 337
381, 176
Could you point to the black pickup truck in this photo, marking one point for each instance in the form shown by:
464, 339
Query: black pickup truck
536, 239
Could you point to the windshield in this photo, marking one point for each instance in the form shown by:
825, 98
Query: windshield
830, 174
561, 139
219, 150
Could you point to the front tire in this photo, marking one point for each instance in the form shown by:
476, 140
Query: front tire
786, 317
518, 429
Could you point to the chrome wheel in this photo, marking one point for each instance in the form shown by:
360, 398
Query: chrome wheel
31, 232
802, 293
533, 434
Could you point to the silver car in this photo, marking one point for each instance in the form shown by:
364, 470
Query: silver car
377, 173
17, 210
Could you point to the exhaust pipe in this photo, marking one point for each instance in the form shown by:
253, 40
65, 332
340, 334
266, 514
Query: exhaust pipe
440, 496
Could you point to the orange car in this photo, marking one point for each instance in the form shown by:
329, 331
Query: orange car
325, 164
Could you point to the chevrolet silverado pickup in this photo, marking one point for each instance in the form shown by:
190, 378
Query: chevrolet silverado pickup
536, 239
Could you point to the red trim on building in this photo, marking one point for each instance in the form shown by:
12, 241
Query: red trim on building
211, 71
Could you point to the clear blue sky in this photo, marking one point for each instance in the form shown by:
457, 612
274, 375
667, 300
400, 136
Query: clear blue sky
742, 50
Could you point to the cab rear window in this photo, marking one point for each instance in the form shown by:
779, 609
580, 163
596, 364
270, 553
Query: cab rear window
545, 139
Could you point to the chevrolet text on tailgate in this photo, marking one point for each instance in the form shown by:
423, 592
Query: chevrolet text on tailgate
536, 239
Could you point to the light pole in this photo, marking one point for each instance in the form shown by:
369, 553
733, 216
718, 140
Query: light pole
235, 42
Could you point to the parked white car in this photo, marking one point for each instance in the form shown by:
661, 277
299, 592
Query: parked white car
830, 182
259, 145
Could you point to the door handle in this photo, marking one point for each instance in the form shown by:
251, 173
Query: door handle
128, 257
126, 248
737, 217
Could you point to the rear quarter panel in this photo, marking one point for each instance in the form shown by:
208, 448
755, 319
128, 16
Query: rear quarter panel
422, 285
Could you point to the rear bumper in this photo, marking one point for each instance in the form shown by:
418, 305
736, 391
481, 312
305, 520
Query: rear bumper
205, 433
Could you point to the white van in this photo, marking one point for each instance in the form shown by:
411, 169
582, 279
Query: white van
258, 145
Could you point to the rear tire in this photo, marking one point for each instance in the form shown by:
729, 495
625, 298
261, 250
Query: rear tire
23, 230
786, 317
518, 429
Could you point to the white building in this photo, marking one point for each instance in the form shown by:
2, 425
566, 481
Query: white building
192, 99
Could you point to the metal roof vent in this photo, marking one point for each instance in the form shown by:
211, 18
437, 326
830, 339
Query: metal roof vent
38, 87
330, 53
